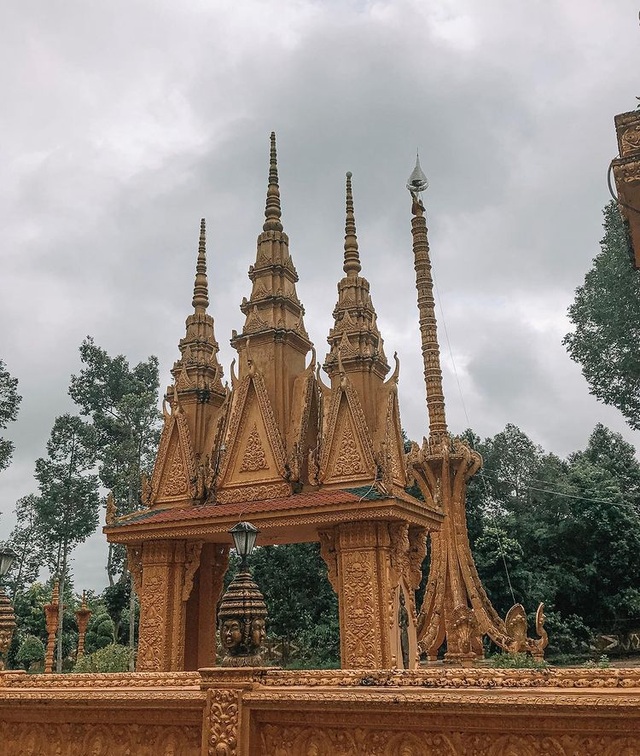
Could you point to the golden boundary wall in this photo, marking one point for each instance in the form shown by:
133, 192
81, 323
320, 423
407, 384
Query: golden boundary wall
229, 712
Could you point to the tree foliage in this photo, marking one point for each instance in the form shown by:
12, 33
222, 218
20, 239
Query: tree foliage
121, 402
67, 507
606, 316
9, 403
27, 542
566, 532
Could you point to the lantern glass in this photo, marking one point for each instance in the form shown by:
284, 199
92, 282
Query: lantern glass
244, 539
7, 556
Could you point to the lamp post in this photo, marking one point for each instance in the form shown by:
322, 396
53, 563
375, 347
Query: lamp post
7, 615
242, 614
244, 536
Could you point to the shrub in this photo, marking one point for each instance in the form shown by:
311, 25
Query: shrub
111, 658
516, 661
31, 650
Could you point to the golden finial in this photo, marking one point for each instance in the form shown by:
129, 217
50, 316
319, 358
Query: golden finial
273, 212
351, 258
200, 287
55, 595
84, 600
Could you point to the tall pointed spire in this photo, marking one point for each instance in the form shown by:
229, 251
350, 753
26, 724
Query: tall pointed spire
355, 335
351, 257
200, 288
274, 315
198, 367
426, 307
273, 211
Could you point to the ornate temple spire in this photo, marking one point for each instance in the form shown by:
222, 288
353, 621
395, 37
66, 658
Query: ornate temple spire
273, 211
355, 334
426, 307
273, 341
198, 368
200, 288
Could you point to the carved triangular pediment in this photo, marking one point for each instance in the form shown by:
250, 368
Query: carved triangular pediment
254, 463
347, 455
392, 446
174, 474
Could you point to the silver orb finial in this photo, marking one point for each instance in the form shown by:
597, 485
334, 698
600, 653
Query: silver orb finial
417, 182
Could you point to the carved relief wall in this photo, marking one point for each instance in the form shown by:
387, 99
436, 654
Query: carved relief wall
251, 712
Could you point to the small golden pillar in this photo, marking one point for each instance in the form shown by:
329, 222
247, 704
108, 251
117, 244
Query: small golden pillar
51, 611
83, 615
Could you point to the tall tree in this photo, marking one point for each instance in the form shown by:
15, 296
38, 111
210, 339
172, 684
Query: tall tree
9, 403
606, 316
122, 403
68, 504
26, 540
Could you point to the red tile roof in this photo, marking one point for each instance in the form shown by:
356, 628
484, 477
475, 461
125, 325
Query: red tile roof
246, 508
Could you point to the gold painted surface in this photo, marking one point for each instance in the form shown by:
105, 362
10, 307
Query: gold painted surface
243, 712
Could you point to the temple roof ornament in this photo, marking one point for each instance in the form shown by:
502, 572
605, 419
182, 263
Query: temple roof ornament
198, 368
355, 338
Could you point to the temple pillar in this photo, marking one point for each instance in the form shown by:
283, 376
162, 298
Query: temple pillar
372, 569
162, 610
201, 620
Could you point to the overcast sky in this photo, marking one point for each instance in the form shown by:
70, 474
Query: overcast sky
125, 122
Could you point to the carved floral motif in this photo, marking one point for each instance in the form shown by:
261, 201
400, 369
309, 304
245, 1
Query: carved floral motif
254, 458
224, 715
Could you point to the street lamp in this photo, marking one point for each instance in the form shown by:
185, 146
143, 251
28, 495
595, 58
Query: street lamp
7, 615
244, 536
242, 613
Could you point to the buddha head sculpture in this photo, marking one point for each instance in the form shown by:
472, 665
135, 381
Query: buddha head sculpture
242, 619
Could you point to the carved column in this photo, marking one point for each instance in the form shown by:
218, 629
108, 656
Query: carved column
82, 618
200, 650
51, 615
370, 565
162, 611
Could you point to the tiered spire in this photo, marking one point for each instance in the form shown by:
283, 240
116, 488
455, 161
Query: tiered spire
426, 308
273, 341
274, 306
198, 368
355, 340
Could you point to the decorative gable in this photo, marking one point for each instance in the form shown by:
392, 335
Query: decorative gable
254, 463
347, 455
174, 474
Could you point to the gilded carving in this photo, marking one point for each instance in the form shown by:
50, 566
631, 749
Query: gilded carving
362, 641
191, 564
254, 457
175, 481
224, 716
349, 459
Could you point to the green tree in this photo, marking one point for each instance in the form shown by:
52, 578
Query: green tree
9, 403
68, 503
31, 650
122, 402
26, 540
302, 606
606, 316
